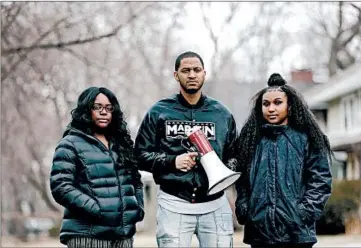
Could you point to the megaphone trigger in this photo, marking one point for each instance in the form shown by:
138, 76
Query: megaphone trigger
197, 158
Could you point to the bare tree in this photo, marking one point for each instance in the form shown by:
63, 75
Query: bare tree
239, 65
46, 48
265, 32
23, 50
335, 32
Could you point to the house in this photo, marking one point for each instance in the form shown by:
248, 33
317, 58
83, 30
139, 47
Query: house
337, 108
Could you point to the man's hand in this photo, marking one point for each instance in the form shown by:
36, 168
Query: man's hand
186, 161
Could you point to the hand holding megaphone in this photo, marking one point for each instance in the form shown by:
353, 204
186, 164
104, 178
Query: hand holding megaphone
219, 176
186, 161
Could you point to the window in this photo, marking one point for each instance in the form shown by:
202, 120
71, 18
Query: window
339, 165
351, 111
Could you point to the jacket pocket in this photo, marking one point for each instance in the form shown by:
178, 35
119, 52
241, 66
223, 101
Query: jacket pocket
305, 218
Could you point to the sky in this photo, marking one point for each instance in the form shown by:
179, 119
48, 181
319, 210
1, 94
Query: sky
199, 37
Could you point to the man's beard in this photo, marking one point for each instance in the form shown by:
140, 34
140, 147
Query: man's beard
190, 91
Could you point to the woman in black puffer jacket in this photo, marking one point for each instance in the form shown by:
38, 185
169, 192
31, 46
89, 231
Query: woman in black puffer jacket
95, 177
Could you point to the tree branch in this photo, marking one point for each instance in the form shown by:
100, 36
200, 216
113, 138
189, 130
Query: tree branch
146, 58
355, 6
207, 23
231, 15
318, 18
85, 59
166, 43
340, 19
354, 30
213, 36
62, 44
73, 42
12, 19
26, 52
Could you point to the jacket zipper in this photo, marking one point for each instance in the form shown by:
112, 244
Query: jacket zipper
274, 188
109, 153
301, 161
192, 114
119, 188
196, 166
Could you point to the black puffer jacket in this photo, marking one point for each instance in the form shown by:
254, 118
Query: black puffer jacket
162, 132
289, 185
102, 199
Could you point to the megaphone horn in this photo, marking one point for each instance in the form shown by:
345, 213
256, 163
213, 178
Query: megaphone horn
219, 176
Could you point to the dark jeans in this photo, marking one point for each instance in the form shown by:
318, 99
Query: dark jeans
284, 246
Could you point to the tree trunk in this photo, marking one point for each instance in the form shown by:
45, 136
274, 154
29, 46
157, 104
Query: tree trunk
332, 63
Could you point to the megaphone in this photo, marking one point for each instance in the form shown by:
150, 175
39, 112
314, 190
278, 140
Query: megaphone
219, 176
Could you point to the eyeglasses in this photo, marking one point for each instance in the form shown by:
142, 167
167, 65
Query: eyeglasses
99, 108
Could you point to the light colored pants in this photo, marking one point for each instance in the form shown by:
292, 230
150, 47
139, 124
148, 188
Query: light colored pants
214, 229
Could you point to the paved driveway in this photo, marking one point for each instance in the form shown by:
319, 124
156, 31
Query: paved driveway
148, 240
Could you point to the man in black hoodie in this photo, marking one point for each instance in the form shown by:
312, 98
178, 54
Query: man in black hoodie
184, 207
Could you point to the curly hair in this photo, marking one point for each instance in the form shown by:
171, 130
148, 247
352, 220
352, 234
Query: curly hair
117, 130
300, 118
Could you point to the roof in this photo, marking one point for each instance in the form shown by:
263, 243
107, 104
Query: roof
344, 140
339, 85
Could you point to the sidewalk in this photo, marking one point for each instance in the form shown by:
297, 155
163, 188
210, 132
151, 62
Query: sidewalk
148, 240
143, 239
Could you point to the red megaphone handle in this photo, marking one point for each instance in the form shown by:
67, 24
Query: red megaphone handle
199, 139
